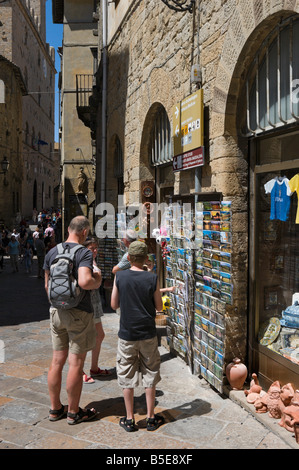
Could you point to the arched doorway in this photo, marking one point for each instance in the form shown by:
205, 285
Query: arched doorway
273, 129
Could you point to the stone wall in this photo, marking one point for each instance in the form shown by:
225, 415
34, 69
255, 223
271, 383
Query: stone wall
10, 144
150, 60
22, 40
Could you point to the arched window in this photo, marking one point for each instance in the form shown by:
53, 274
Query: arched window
161, 139
273, 83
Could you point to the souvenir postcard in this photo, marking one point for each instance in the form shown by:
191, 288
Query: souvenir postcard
225, 257
225, 267
225, 216
225, 277
199, 206
225, 237
207, 262
215, 225
215, 215
206, 253
225, 247
226, 297
207, 206
225, 206
225, 287
215, 266
206, 215
207, 225
207, 272
216, 284
215, 205
216, 273
225, 227
207, 244
211, 235
216, 255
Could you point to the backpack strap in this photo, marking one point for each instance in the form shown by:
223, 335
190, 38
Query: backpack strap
60, 248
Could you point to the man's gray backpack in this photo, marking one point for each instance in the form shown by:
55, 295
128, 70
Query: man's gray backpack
63, 290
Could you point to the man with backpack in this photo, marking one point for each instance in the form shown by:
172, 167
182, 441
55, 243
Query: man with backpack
69, 277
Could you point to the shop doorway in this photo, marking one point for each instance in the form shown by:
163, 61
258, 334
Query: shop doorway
273, 123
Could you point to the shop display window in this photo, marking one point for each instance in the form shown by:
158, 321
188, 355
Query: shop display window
277, 245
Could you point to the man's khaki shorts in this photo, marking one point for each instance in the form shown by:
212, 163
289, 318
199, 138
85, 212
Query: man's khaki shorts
72, 329
138, 357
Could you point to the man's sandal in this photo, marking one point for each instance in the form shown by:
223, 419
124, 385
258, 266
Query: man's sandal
81, 416
128, 424
58, 414
99, 372
154, 423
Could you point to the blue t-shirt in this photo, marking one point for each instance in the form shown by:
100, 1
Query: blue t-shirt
280, 198
13, 248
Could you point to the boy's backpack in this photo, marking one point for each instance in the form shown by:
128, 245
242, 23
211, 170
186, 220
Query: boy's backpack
63, 290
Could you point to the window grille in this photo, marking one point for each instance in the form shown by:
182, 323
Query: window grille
273, 84
161, 139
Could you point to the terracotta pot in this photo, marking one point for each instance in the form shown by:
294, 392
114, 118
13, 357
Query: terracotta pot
236, 373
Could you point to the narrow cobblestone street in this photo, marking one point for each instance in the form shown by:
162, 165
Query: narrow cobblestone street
196, 416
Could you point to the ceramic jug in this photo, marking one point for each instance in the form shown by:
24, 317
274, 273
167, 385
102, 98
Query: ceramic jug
236, 373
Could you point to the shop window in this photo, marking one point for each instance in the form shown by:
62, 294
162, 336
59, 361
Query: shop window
273, 81
277, 246
161, 139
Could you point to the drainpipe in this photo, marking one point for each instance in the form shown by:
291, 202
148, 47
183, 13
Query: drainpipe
104, 104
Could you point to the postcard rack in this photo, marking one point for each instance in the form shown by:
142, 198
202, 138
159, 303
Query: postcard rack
198, 263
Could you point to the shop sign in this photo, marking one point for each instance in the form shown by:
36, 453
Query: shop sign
188, 124
188, 160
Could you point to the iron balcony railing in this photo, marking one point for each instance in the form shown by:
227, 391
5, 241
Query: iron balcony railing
84, 89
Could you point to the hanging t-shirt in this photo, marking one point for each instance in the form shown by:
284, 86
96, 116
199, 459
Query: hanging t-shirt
294, 186
280, 198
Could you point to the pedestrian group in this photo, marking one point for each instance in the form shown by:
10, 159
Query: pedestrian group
136, 295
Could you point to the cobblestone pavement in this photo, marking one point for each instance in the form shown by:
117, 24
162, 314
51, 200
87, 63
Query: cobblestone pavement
196, 416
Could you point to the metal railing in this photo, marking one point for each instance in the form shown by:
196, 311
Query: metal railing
84, 88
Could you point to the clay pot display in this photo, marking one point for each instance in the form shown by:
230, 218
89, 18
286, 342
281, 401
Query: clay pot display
236, 373
287, 394
260, 403
274, 403
290, 414
254, 390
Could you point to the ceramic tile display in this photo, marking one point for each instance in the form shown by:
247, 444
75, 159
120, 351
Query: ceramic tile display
213, 288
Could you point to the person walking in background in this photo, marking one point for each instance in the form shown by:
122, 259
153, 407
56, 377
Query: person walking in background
40, 250
13, 249
95, 370
73, 332
27, 256
137, 293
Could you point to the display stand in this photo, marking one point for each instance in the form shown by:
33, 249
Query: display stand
198, 263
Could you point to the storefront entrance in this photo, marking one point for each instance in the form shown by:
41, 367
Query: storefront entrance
275, 257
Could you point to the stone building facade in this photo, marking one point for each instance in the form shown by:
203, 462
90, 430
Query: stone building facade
245, 51
23, 41
12, 92
78, 64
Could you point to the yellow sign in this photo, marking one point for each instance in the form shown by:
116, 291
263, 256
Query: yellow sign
188, 124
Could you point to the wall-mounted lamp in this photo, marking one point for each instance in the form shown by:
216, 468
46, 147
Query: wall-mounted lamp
4, 166
180, 5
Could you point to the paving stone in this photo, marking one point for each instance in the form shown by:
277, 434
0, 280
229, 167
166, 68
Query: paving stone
20, 434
